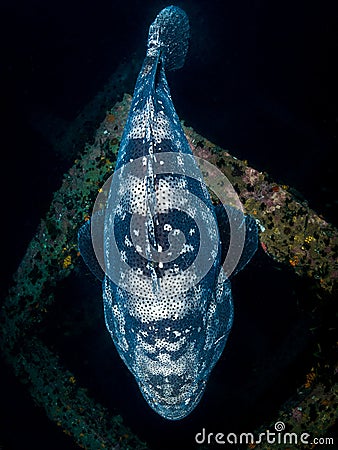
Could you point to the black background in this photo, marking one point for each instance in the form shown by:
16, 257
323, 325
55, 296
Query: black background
259, 80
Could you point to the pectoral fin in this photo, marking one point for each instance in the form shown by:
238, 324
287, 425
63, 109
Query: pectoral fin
238, 219
87, 250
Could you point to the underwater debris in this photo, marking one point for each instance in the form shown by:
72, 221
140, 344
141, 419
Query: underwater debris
288, 229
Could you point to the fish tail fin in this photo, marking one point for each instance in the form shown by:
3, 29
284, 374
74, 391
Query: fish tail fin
169, 35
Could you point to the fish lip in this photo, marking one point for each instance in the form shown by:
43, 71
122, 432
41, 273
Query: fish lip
171, 409
172, 412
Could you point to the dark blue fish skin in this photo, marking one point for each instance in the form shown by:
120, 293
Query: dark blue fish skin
169, 331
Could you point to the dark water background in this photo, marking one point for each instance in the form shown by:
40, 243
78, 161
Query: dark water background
259, 80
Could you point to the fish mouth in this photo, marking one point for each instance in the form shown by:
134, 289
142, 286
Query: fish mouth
173, 402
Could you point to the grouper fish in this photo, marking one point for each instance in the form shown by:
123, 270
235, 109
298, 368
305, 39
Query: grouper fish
167, 298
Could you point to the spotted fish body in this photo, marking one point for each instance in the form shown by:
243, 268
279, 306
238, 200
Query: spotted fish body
168, 317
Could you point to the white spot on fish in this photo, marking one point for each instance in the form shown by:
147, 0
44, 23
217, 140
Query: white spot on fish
127, 241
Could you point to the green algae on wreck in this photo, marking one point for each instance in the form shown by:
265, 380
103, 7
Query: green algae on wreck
50, 257
290, 232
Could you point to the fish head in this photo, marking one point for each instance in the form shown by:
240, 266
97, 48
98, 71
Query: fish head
173, 341
169, 367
